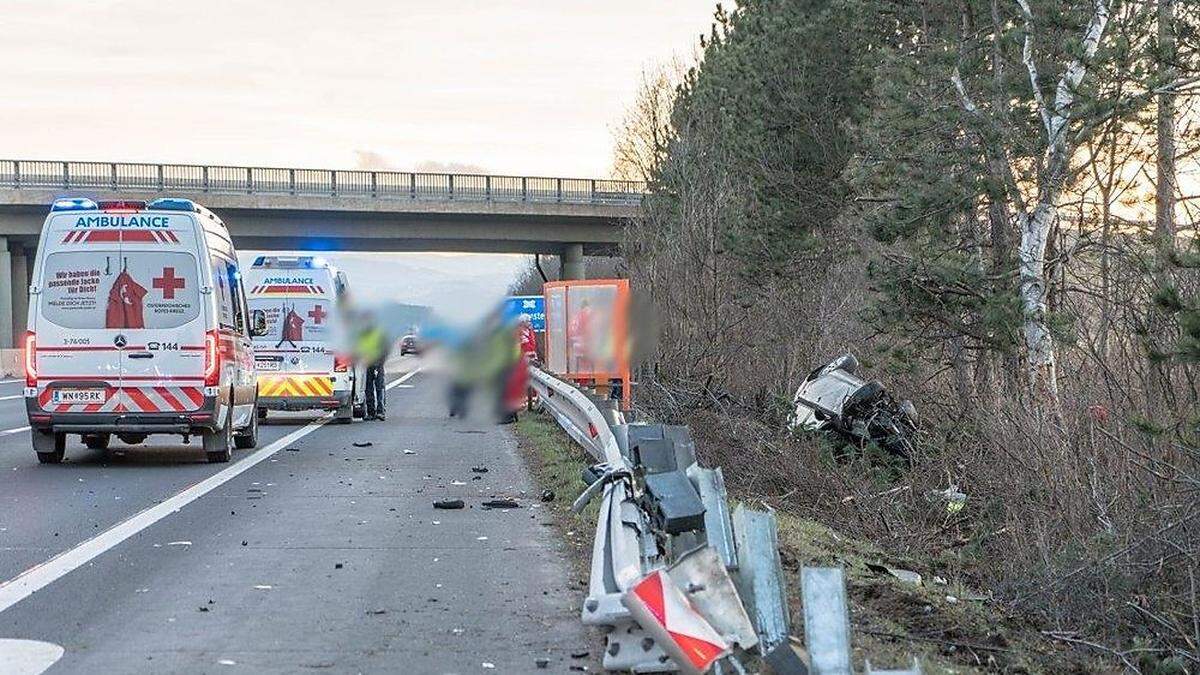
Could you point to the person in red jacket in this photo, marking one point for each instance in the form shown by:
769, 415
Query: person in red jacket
528, 338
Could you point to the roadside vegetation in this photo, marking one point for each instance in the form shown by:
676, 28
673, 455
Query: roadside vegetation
951, 628
993, 204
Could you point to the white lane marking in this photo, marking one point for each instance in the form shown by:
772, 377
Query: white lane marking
9, 398
15, 430
28, 657
399, 381
40, 576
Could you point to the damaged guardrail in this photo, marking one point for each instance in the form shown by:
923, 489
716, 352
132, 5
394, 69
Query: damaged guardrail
678, 582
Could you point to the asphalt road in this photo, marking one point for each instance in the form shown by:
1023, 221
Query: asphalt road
310, 553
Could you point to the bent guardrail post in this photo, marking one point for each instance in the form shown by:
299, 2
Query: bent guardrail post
826, 620
760, 574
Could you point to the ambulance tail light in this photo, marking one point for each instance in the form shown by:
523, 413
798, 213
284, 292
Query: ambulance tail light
30, 359
212, 358
341, 363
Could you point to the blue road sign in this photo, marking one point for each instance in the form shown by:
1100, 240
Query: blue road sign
533, 305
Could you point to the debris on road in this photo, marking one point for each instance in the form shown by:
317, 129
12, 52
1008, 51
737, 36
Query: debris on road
377, 611
479, 469
954, 498
542, 663
179, 543
548, 495
410, 452
263, 587
501, 504
363, 444
907, 576
449, 504
835, 401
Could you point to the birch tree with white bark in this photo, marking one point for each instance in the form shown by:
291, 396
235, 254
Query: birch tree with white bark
1036, 204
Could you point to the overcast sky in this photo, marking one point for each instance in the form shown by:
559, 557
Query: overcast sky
519, 87
523, 87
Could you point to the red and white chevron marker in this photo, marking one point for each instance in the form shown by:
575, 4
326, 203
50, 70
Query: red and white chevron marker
663, 611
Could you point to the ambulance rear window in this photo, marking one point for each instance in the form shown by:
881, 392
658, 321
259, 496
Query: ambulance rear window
136, 289
292, 319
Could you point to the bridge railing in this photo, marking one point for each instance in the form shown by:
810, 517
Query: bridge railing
195, 178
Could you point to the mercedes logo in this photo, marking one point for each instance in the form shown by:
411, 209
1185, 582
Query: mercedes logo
120, 341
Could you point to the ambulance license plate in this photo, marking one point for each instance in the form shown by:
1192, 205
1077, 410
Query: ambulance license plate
73, 396
267, 365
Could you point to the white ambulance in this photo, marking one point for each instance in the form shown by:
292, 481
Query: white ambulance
138, 325
304, 359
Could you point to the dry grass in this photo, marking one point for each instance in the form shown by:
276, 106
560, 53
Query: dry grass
892, 620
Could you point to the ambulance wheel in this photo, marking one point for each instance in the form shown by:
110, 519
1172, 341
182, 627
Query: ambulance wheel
49, 446
247, 438
217, 444
97, 441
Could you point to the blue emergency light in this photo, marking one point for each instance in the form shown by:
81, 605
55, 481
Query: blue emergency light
173, 204
74, 204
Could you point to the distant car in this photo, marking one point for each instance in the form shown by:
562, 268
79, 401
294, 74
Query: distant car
834, 400
409, 345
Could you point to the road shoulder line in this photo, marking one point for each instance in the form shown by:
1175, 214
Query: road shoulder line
39, 576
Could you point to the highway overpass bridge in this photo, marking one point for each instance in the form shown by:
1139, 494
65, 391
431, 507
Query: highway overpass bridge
327, 210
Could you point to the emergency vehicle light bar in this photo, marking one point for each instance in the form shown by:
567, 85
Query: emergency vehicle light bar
130, 205
290, 262
73, 204
173, 204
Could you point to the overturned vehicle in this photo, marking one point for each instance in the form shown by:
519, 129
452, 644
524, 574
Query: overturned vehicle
833, 399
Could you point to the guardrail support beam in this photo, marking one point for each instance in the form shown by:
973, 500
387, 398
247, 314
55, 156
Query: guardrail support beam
571, 260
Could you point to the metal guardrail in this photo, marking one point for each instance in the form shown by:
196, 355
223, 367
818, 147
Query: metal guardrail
393, 185
728, 571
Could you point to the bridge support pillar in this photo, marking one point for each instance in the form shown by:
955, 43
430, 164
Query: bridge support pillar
6, 296
20, 298
572, 263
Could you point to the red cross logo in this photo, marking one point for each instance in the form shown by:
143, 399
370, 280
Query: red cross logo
317, 315
169, 283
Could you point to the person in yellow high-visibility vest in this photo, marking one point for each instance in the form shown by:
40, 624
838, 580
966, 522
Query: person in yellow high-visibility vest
372, 347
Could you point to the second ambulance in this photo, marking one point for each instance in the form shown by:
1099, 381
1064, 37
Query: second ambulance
304, 358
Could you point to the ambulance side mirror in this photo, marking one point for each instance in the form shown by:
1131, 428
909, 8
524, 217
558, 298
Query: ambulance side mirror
258, 323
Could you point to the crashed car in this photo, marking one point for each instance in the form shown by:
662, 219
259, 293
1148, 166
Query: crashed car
835, 401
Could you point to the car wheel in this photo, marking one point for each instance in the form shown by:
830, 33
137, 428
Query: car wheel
97, 441
847, 363
49, 446
865, 393
247, 438
218, 443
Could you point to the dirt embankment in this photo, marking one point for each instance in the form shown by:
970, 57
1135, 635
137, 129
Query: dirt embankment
949, 627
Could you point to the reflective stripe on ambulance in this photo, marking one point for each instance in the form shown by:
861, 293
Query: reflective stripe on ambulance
294, 385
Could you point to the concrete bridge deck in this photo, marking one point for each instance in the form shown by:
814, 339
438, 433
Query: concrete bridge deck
327, 210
